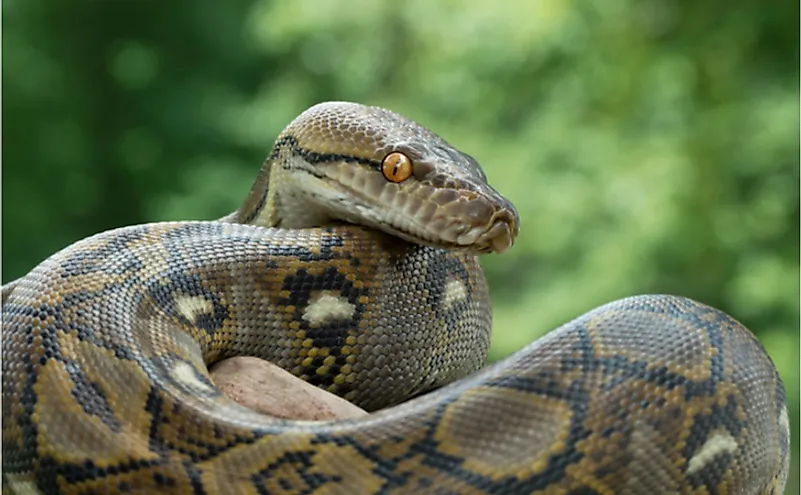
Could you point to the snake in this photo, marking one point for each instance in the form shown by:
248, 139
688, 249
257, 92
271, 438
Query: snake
353, 263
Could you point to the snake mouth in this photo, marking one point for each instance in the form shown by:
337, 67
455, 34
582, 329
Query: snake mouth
452, 228
464, 219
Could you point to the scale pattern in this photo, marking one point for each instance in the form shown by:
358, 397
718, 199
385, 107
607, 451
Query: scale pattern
105, 385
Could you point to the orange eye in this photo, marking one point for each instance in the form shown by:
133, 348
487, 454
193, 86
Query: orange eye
396, 167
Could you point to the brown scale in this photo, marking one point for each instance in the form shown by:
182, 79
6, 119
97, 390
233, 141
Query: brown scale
106, 346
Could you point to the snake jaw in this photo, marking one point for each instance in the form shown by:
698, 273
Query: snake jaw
414, 211
500, 236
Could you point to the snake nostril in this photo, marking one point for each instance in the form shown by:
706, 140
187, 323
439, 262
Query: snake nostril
503, 231
509, 217
499, 237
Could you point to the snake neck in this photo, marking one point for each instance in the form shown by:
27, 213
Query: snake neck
276, 198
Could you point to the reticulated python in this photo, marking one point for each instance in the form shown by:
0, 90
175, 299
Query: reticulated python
106, 343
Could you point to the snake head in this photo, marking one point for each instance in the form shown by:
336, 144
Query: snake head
371, 166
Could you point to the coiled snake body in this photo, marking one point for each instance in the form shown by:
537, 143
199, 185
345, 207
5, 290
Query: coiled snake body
106, 343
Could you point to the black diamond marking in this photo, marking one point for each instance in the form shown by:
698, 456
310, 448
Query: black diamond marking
301, 463
49, 472
433, 457
20, 459
701, 431
188, 285
558, 463
302, 286
154, 406
440, 269
91, 397
85, 261
384, 467
662, 377
80, 300
717, 363
195, 479
574, 395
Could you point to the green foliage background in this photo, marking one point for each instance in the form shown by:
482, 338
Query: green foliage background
650, 145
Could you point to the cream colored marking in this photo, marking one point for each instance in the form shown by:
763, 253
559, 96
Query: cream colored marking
22, 484
193, 306
455, 292
326, 307
721, 442
185, 373
784, 421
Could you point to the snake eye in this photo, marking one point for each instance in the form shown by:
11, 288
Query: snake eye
396, 167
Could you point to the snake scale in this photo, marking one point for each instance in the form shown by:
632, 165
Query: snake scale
353, 264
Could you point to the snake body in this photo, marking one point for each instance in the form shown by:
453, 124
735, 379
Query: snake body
352, 263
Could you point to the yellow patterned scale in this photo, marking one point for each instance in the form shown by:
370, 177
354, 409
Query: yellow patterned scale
352, 264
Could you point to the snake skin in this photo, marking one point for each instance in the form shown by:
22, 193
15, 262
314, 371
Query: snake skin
106, 346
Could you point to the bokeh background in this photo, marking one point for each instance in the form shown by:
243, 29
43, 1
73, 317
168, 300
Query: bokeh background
649, 145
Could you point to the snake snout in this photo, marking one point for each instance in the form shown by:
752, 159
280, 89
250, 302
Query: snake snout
498, 234
501, 234
481, 224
